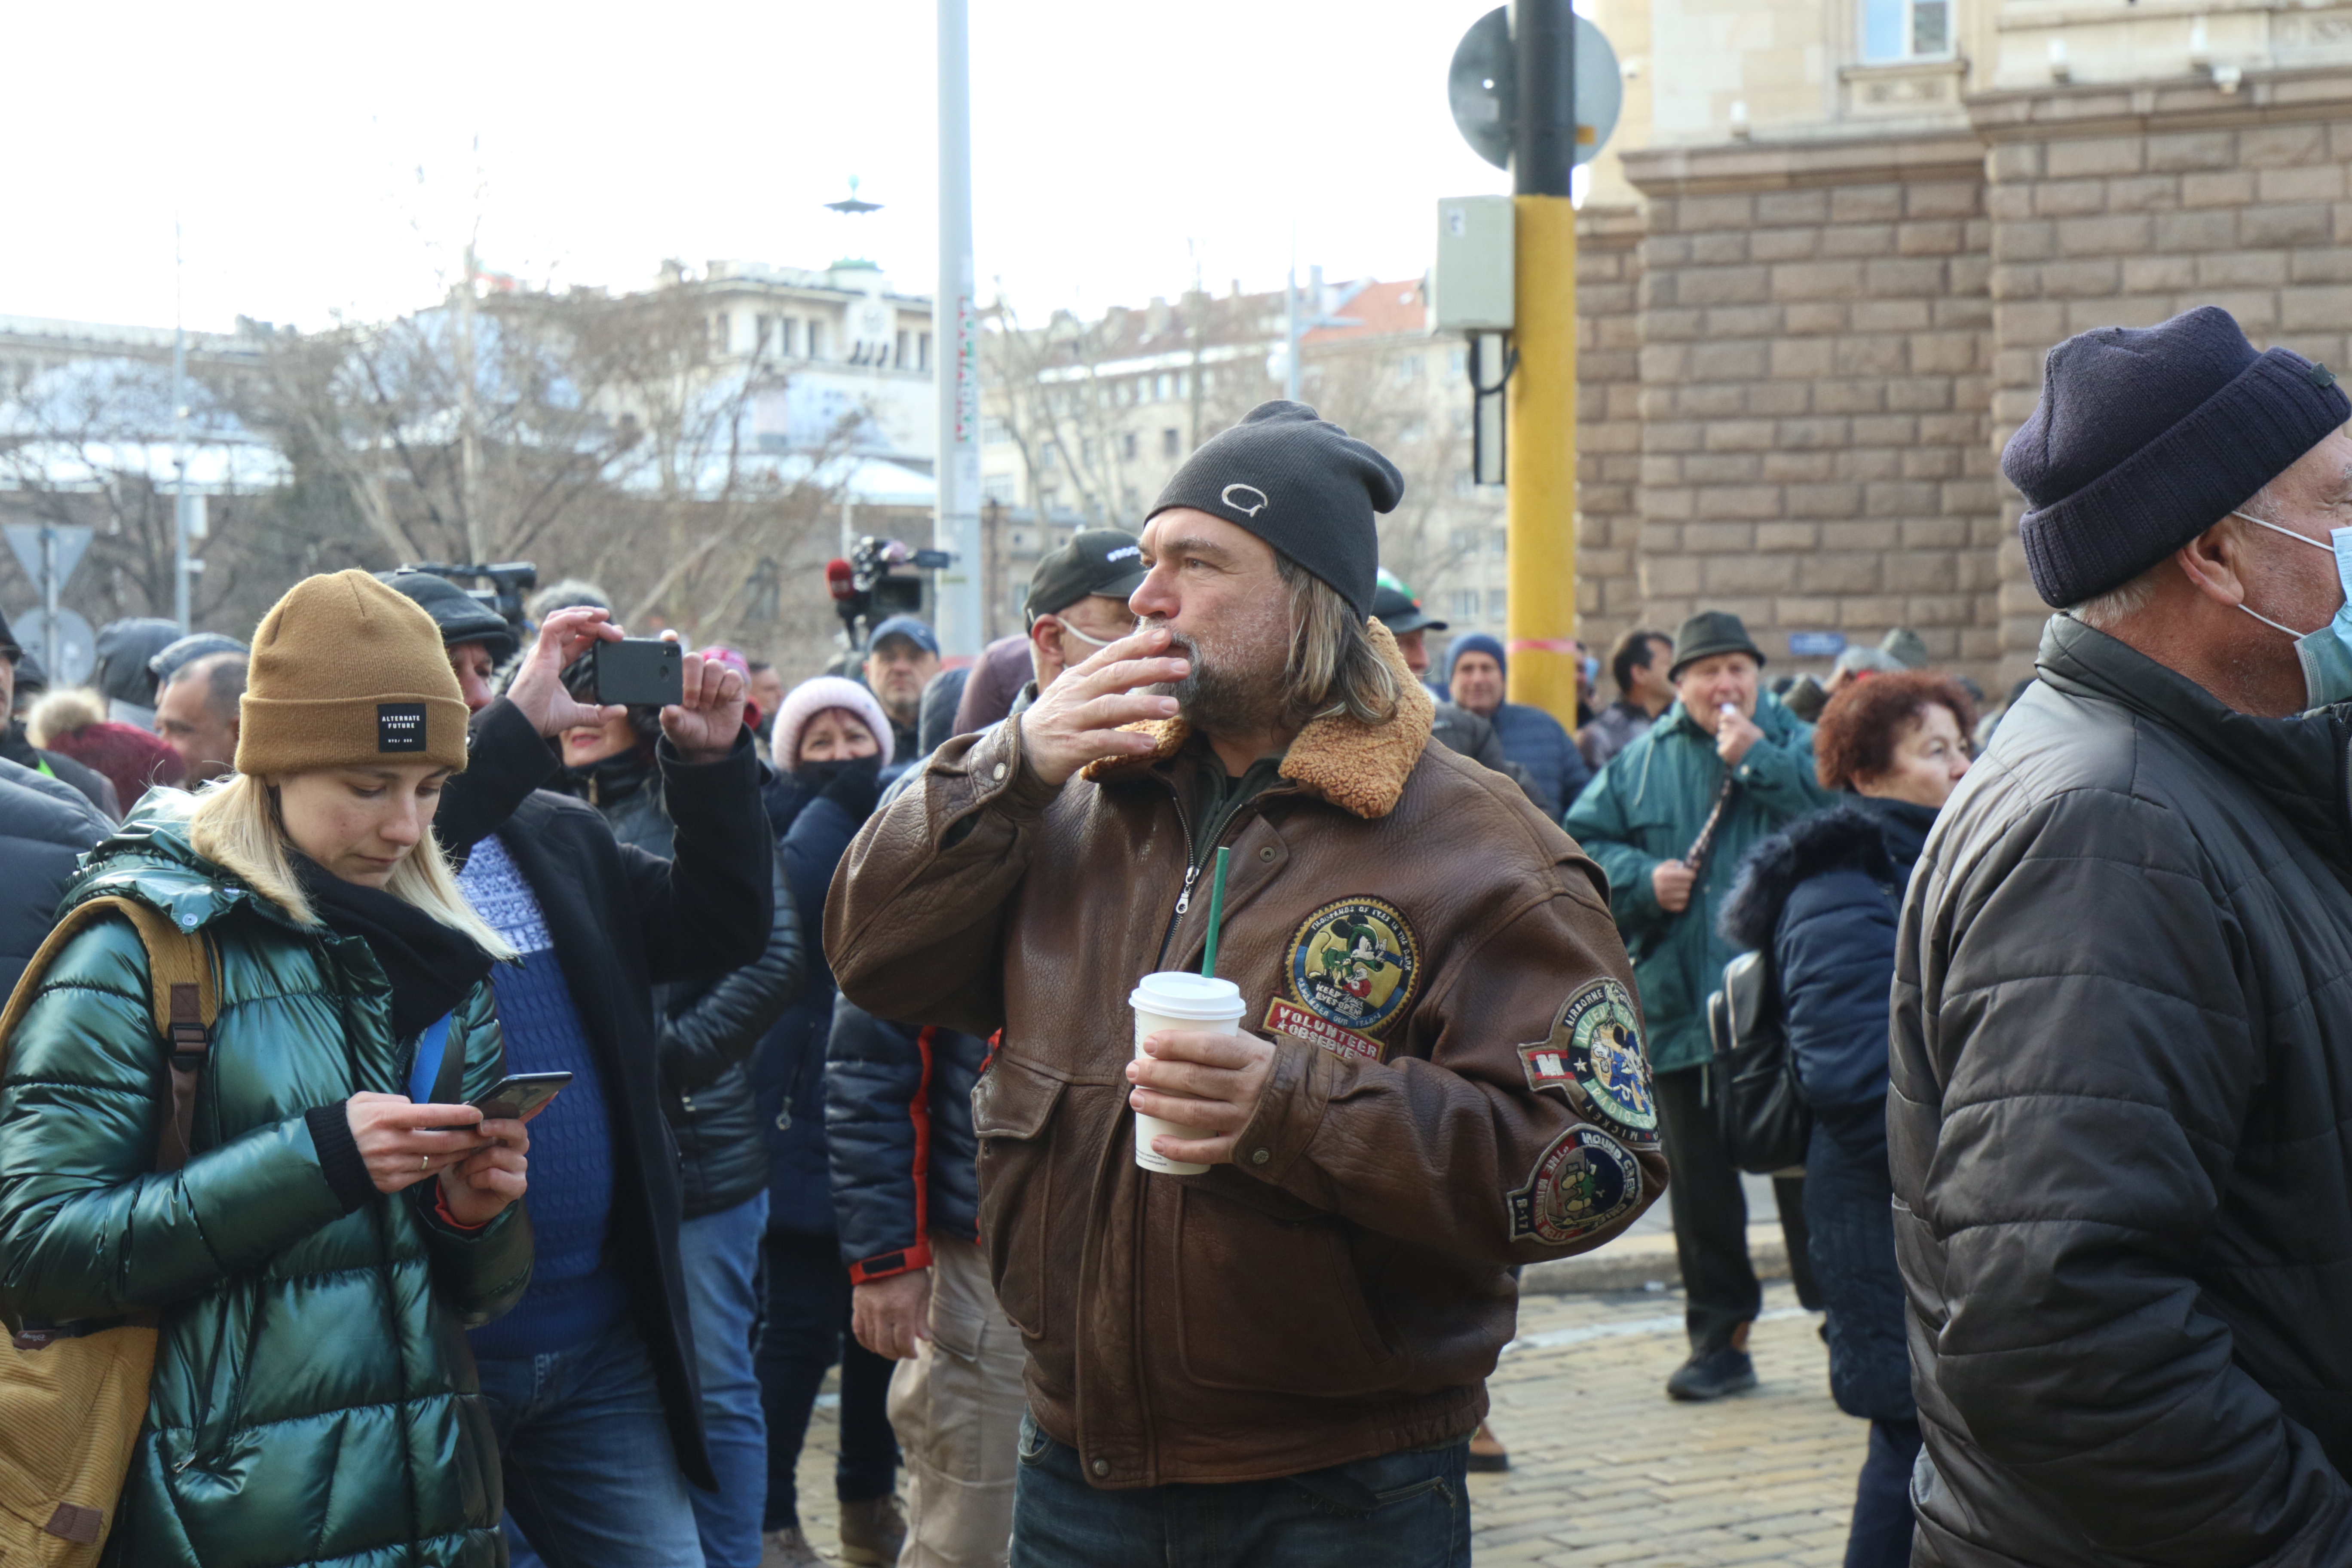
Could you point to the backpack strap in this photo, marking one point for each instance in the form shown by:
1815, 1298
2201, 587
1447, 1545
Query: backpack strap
183, 1000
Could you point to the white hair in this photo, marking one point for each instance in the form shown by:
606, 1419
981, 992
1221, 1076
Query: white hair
2119, 604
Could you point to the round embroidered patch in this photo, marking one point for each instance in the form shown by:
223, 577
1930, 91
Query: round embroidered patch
1354, 964
1585, 1180
1604, 1053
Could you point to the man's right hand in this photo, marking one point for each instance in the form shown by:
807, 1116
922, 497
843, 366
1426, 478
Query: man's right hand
889, 1315
537, 690
1076, 720
1672, 880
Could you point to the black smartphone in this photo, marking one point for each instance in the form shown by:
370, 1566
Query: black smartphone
643, 672
517, 1095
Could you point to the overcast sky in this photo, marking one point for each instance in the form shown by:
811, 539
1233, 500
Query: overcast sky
1116, 146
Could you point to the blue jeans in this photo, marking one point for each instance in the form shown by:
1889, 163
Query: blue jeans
1881, 1535
1406, 1510
806, 1331
720, 1254
592, 1480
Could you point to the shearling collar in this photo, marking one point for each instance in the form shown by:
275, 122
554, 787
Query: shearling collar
1360, 768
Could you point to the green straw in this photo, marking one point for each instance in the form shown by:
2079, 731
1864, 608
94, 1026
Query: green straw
1216, 913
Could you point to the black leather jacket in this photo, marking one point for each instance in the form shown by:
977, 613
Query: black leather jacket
707, 1032
2120, 1128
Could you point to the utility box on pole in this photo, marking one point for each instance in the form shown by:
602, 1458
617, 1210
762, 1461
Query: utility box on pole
1533, 89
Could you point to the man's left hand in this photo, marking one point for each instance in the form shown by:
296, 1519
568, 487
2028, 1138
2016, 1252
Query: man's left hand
1733, 735
704, 722
1204, 1080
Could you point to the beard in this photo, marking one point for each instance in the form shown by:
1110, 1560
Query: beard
1234, 686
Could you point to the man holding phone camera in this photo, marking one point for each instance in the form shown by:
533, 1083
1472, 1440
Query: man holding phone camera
591, 1379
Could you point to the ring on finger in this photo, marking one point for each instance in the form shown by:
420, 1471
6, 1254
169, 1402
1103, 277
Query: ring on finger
424, 1162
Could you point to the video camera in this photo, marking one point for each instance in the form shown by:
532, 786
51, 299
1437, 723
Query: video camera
882, 578
509, 580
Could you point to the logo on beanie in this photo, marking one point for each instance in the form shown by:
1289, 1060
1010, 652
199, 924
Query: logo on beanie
1248, 491
400, 726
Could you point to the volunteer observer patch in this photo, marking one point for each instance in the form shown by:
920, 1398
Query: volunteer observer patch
1582, 1182
1594, 1056
1353, 964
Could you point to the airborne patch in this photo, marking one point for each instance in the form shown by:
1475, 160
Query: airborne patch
1582, 1182
1354, 964
1594, 1056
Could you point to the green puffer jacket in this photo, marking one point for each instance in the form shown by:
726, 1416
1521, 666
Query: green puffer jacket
1647, 805
313, 1399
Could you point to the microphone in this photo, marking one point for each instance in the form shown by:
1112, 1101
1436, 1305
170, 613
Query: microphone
840, 581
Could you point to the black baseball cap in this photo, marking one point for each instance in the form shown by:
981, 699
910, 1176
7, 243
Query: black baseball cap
1108, 562
907, 627
1397, 607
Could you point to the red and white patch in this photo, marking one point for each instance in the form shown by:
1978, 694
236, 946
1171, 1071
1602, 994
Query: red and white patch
1285, 1018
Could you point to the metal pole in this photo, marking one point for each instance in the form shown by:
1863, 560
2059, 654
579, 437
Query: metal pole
50, 659
1290, 331
956, 526
180, 608
1539, 406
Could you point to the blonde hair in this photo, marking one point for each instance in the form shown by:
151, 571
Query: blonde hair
235, 822
1333, 667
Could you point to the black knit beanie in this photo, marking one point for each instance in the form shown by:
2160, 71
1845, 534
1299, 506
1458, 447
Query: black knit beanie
1300, 483
2147, 436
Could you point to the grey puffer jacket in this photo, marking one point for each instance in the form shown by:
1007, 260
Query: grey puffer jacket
2120, 1130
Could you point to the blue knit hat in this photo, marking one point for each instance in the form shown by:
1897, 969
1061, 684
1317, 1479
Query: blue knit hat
1474, 642
2147, 436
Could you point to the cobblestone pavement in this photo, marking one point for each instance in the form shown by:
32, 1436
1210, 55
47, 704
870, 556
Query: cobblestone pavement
1605, 1471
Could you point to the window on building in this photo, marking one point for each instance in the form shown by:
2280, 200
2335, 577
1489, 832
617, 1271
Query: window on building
1466, 541
1497, 601
993, 432
1183, 384
1171, 443
788, 335
760, 328
900, 354
1160, 387
1457, 363
922, 351
1465, 604
815, 338
1126, 445
1498, 543
1906, 29
721, 340
1408, 367
1003, 487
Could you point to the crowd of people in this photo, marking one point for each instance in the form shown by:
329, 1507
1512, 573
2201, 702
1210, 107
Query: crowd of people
841, 989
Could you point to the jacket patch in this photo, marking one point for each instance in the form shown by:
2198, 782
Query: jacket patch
1288, 1019
1593, 1057
1582, 1182
1354, 964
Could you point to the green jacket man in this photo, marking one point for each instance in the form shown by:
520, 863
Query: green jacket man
1639, 819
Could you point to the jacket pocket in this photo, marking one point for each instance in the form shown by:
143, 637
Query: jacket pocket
1012, 1116
1274, 1305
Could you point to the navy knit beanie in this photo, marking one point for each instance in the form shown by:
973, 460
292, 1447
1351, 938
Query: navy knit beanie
2147, 436
1474, 642
1300, 483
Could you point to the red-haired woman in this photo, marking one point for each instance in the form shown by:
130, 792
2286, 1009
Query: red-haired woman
1821, 897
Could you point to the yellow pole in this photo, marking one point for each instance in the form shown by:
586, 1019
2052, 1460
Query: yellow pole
1539, 463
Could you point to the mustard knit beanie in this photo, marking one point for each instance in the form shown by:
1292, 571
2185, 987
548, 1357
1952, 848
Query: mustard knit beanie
346, 673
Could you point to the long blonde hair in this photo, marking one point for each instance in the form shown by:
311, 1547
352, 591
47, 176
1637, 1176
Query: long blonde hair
235, 822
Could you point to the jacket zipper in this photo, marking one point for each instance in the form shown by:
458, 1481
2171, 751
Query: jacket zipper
1191, 871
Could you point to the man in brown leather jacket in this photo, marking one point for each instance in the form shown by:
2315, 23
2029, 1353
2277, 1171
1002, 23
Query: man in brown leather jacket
1438, 1076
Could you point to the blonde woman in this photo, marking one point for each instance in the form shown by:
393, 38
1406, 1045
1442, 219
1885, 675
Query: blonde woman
313, 1261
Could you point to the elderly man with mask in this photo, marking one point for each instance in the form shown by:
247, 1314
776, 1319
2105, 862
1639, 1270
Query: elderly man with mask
1284, 1355
2122, 1037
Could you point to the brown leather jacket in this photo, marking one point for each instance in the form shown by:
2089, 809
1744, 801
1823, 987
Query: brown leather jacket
1453, 1012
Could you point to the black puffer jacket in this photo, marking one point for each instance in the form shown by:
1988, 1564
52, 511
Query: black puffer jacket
1822, 896
898, 1137
708, 1033
44, 829
2121, 1130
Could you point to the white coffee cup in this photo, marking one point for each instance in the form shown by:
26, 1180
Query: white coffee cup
1176, 999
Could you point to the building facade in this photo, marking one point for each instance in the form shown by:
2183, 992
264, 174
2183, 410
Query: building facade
1825, 255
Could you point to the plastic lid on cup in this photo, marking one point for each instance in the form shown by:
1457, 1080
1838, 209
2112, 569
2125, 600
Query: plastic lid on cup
1194, 998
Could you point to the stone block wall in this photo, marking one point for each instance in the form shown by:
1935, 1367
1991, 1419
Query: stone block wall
1814, 375
2114, 208
1609, 424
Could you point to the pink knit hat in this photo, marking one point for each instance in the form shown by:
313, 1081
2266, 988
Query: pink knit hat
811, 698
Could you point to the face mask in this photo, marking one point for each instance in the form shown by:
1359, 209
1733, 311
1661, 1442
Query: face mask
2327, 654
1070, 631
